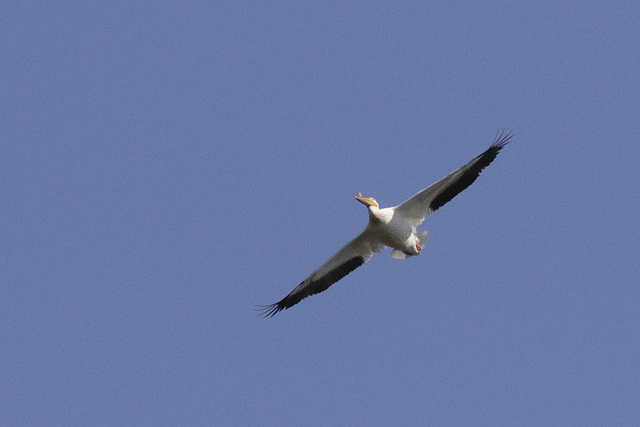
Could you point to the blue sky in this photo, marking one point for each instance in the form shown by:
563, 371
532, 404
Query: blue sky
167, 167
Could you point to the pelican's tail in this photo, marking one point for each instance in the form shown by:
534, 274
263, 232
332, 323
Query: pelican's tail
422, 237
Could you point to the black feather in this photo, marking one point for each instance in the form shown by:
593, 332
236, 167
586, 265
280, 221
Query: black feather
314, 287
471, 174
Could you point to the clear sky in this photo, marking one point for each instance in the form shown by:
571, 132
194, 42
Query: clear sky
166, 167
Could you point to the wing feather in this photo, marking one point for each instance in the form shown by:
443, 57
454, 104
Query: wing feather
429, 200
347, 259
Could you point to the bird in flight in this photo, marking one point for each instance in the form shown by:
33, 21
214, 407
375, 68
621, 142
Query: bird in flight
394, 227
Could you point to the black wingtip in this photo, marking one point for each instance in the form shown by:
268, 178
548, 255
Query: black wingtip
267, 311
502, 138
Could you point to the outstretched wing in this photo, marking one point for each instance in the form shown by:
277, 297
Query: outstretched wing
350, 257
429, 200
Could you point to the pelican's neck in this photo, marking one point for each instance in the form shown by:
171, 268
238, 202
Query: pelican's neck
378, 215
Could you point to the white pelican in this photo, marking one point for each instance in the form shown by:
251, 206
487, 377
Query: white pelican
394, 227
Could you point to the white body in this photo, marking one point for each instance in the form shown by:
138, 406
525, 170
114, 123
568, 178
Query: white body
389, 228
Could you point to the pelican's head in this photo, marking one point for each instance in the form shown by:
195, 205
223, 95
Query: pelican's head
367, 201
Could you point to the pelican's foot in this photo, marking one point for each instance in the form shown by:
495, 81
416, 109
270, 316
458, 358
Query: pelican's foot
418, 246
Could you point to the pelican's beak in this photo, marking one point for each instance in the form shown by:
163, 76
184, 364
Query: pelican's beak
367, 201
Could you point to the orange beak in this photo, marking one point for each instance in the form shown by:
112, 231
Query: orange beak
367, 201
